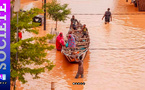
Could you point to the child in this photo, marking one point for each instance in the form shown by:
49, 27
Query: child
84, 31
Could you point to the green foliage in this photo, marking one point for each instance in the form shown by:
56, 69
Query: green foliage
56, 11
31, 51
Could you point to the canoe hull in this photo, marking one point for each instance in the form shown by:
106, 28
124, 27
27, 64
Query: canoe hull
82, 46
71, 59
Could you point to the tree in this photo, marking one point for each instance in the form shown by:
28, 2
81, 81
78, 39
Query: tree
31, 51
57, 12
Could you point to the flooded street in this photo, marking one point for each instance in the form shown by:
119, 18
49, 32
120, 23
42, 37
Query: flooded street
116, 59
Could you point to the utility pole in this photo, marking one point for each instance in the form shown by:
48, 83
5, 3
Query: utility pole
16, 9
45, 15
42, 4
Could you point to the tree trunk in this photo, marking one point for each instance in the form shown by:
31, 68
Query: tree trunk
56, 25
11, 85
14, 84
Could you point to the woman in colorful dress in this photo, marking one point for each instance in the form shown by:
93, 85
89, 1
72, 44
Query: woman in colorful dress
71, 41
59, 41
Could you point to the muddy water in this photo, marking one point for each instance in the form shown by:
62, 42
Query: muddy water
115, 60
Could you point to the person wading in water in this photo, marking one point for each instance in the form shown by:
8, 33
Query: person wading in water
107, 16
80, 68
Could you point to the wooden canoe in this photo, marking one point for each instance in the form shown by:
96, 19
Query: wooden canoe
81, 49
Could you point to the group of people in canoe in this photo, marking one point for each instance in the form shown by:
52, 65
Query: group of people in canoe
72, 38
60, 42
75, 24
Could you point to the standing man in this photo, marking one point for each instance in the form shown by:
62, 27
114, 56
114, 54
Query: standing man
73, 22
107, 16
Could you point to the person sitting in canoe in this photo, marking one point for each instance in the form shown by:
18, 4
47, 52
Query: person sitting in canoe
107, 16
71, 41
84, 31
59, 42
73, 22
71, 32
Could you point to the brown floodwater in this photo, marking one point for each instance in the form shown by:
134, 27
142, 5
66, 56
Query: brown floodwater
116, 59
